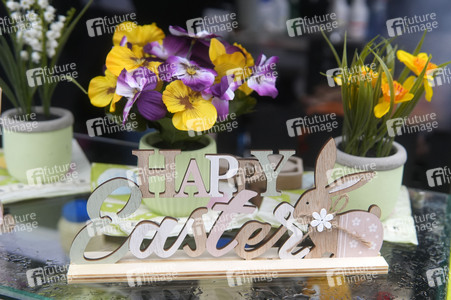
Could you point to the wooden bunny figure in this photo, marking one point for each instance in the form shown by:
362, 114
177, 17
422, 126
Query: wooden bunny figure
316, 207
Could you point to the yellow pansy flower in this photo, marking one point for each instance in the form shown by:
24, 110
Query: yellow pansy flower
136, 34
189, 108
122, 57
102, 89
401, 95
416, 64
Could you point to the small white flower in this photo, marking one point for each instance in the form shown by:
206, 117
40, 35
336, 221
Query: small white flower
49, 16
353, 244
43, 3
24, 55
26, 4
372, 228
16, 15
321, 220
355, 221
12, 5
53, 35
36, 57
373, 246
61, 18
51, 52
31, 16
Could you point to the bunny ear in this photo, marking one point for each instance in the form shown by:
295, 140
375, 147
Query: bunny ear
324, 162
349, 182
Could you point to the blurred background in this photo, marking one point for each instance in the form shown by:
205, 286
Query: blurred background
303, 91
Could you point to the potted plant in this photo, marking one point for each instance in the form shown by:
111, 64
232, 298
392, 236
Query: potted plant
183, 85
35, 138
374, 102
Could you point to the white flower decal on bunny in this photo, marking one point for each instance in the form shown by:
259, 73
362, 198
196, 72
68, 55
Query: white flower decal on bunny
321, 220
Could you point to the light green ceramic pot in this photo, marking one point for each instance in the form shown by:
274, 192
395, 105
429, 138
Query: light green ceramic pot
37, 152
383, 190
178, 207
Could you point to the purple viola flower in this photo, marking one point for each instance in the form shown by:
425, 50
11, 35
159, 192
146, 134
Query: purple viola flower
221, 93
189, 72
138, 86
172, 46
263, 80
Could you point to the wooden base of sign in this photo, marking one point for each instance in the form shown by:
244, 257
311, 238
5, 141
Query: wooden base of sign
178, 267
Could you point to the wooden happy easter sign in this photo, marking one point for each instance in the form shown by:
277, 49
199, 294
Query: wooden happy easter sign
340, 238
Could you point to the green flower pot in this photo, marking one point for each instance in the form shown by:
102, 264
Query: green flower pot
38, 152
383, 190
178, 207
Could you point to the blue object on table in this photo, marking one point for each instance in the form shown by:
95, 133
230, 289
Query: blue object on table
75, 211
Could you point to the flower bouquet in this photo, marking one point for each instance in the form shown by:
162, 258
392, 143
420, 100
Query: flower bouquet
183, 85
376, 107
179, 83
32, 37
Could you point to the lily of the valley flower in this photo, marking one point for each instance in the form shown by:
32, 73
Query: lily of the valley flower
401, 95
138, 87
416, 64
189, 72
321, 220
102, 91
188, 105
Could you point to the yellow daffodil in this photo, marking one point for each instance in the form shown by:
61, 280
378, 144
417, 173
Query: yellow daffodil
102, 89
189, 108
416, 64
401, 95
137, 35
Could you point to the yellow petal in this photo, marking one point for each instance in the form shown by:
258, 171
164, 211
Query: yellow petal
381, 109
177, 121
407, 59
428, 89
116, 98
122, 57
216, 49
173, 96
249, 59
406, 97
227, 62
408, 84
137, 35
245, 89
100, 91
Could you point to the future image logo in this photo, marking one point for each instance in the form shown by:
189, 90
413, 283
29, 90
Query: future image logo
100, 26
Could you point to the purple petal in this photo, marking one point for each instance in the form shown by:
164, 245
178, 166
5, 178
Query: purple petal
177, 31
263, 85
191, 74
156, 49
222, 107
127, 108
200, 54
224, 90
126, 85
176, 45
145, 78
151, 106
